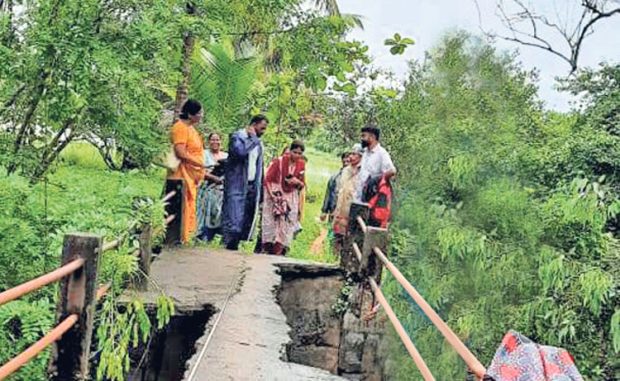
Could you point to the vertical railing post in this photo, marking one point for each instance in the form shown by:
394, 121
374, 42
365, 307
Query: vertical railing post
140, 282
71, 354
362, 338
348, 260
370, 265
174, 206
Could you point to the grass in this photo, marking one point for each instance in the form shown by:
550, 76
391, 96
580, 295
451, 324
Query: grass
319, 168
82, 155
84, 195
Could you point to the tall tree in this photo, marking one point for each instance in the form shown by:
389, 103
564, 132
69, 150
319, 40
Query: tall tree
80, 71
503, 217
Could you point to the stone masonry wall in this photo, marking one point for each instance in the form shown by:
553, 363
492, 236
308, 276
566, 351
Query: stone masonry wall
342, 343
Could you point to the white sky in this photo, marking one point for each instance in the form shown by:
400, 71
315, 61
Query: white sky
427, 20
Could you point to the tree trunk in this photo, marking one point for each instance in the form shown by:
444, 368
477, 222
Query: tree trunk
186, 66
23, 130
105, 151
49, 159
8, 105
38, 90
55, 147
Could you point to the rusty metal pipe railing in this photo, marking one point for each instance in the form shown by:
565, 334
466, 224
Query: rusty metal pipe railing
362, 224
102, 291
169, 219
168, 196
358, 252
36, 348
400, 330
472, 362
167, 222
107, 246
42, 281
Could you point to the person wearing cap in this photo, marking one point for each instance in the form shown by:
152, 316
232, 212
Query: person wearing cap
349, 183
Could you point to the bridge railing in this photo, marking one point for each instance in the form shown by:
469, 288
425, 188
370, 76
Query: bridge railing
363, 256
79, 292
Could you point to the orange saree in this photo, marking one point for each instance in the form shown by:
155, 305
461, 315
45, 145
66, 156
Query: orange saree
192, 176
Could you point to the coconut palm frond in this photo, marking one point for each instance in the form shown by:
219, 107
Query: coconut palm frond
332, 9
330, 6
355, 21
222, 84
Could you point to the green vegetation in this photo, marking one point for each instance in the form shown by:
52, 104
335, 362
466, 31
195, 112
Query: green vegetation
86, 87
319, 168
506, 214
82, 195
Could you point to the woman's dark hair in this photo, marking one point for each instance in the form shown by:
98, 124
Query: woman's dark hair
190, 107
213, 134
344, 155
298, 144
372, 129
258, 118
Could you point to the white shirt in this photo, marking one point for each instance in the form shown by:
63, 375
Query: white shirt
252, 159
375, 163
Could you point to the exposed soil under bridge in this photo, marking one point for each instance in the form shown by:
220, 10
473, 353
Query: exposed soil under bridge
232, 300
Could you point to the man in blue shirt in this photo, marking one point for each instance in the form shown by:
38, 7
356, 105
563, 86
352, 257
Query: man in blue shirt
243, 185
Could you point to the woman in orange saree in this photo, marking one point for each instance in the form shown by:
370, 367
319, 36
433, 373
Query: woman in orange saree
188, 146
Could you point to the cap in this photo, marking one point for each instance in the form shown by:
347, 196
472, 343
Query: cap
357, 149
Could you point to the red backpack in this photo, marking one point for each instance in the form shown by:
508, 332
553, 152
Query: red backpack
381, 203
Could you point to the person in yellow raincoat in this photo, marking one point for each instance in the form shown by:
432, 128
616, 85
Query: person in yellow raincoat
188, 147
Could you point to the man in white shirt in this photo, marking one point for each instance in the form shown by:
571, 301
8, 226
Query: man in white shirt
376, 161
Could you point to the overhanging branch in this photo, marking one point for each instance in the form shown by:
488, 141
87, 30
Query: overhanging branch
527, 27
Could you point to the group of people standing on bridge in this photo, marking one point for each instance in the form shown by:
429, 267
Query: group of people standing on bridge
365, 176
225, 192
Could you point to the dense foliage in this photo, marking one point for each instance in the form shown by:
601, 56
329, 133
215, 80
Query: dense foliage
506, 213
106, 73
33, 224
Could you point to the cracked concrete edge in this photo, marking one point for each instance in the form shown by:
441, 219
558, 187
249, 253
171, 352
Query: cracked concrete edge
199, 344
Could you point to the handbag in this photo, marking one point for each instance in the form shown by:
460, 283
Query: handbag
170, 160
281, 207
